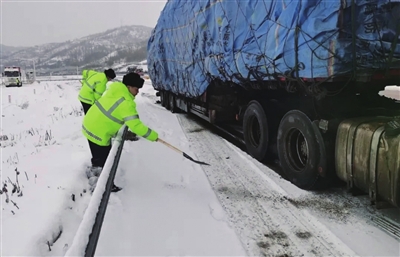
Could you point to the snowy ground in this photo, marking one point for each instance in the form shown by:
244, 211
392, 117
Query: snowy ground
41, 123
168, 205
169, 200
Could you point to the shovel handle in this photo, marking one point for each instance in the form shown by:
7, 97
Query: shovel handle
169, 145
179, 151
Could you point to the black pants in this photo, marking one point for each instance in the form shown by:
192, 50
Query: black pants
85, 107
99, 154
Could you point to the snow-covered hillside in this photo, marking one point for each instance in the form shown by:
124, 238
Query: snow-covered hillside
110, 46
7, 50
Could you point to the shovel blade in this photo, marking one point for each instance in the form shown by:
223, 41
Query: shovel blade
193, 160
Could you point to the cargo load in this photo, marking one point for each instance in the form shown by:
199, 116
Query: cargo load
196, 42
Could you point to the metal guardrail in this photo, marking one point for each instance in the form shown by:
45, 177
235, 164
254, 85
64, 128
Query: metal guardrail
87, 236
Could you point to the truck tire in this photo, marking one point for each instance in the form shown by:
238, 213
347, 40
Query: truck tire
298, 150
255, 131
167, 96
164, 98
172, 103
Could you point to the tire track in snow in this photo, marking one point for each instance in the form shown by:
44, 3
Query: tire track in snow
265, 221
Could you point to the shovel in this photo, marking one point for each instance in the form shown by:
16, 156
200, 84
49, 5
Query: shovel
183, 153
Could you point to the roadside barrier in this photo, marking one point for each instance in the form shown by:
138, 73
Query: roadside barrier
87, 236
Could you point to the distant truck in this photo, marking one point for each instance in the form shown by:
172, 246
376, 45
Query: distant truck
30, 76
12, 76
297, 81
131, 69
135, 69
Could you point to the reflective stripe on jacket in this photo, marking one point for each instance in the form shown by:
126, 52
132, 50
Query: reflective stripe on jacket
92, 87
87, 74
110, 112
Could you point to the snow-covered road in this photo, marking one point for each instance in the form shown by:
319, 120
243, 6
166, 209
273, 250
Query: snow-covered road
270, 216
273, 217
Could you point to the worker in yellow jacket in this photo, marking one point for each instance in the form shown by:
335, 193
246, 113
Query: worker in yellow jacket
88, 73
107, 115
93, 86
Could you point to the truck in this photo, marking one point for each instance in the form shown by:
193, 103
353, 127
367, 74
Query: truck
297, 81
12, 76
30, 76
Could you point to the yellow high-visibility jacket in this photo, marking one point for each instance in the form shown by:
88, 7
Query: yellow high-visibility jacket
92, 87
107, 115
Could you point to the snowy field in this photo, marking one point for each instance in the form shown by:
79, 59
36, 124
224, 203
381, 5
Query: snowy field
166, 199
168, 206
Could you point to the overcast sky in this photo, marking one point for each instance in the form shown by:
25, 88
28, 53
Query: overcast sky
30, 22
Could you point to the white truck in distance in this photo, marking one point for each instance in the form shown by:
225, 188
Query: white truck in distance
12, 76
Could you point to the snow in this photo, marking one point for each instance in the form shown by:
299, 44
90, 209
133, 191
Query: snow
42, 125
169, 206
391, 91
168, 200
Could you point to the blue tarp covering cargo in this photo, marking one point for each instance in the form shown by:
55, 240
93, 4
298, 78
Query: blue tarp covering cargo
195, 42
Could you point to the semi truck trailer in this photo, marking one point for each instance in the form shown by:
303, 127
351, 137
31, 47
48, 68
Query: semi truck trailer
299, 81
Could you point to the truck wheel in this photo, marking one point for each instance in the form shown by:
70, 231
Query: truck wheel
298, 150
172, 104
164, 98
255, 130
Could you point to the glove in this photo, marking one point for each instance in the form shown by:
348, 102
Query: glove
131, 136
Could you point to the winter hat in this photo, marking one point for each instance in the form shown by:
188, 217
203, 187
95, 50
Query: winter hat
110, 73
133, 79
